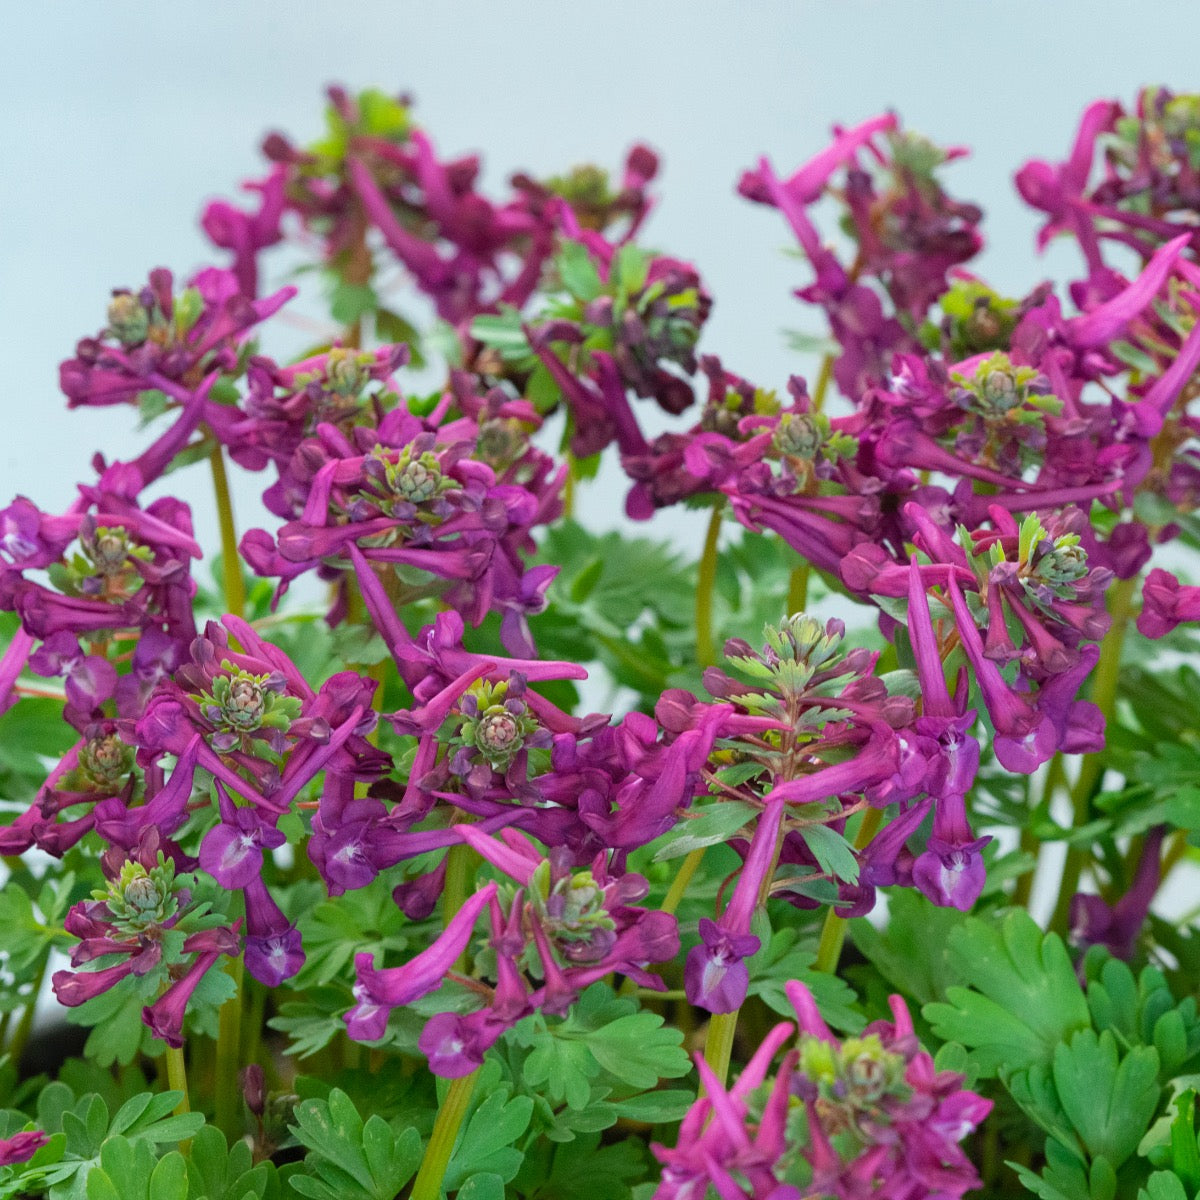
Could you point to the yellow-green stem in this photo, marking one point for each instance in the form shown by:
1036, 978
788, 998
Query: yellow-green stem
833, 932
1104, 695
231, 563
797, 600
706, 582
25, 1025
569, 487
228, 1096
823, 378
461, 862
718, 1043
1056, 777
683, 877
177, 1076
428, 1184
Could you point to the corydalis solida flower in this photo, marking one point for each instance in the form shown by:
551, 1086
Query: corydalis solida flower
867, 1116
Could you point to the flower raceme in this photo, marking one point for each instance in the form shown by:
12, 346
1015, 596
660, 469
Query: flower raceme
986, 476
866, 1116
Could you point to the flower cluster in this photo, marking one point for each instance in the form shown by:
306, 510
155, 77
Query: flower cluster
394, 813
867, 1116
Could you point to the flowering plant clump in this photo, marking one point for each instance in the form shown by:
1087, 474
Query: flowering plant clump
351, 894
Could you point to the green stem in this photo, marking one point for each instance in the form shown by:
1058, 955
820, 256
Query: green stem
718, 1042
833, 932
228, 1099
823, 378
569, 488
231, 563
1104, 695
1056, 777
797, 599
428, 1184
461, 864
25, 1025
706, 581
177, 1076
682, 878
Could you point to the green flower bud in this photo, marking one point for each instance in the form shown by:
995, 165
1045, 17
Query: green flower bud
128, 320
346, 371
495, 725
501, 441
104, 763
800, 435
241, 704
139, 899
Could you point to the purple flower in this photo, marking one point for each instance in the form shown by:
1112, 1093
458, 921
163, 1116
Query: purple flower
1166, 603
21, 1147
716, 976
232, 850
378, 991
907, 1119
165, 1016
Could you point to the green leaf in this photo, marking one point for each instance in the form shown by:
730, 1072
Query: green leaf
1162, 1185
578, 272
782, 958
350, 1160
1022, 1001
484, 1185
831, 850
488, 1142
1063, 1177
911, 951
1109, 1101
581, 1169
217, 1171
350, 302
715, 823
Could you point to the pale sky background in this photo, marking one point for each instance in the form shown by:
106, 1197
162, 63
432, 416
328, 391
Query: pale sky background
120, 118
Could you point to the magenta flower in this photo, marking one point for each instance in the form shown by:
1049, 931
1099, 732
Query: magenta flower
377, 991
880, 1120
21, 1147
165, 1016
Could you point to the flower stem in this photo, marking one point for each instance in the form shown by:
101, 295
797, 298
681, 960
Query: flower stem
718, 1043
25, 1025
231, 563
177, 1076
1104, 696
569, 488
682, 878
428, 1184
833, 932
823, 378
797, 598
227, 1116
706, 580
461, 864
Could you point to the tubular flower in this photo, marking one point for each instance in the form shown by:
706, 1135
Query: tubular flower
865, 1116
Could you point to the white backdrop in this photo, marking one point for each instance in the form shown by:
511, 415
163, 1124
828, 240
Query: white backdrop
120, 118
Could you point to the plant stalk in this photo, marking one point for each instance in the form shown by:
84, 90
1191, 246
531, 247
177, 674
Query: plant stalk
177, 1076
718, 1043
706, 581
683, 877
228, 1099
1104, 695
797, 598
231, 563
833, 932
428, 1183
